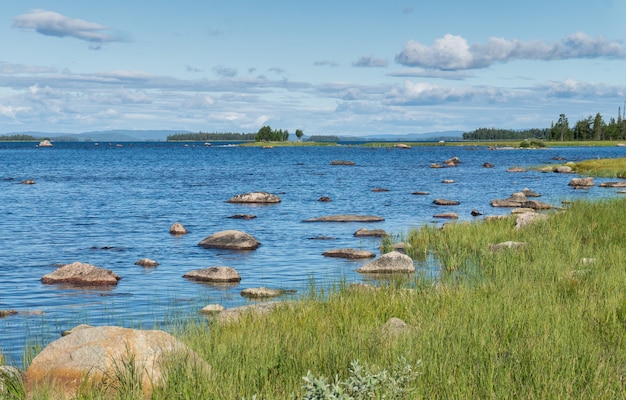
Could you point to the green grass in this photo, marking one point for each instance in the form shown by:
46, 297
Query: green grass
538, 322
602, 167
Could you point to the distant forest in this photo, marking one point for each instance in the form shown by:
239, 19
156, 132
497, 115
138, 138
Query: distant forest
19, 138
205, 137
590, 128
323, 138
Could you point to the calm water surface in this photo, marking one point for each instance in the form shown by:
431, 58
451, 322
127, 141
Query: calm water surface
110, 206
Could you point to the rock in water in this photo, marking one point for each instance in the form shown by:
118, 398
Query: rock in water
394, 262
214, 274
255, 197
81, 274
230, 239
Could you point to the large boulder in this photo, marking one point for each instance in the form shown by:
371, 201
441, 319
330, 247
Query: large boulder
346, 218
98, 354
536, 205
349, 253
255, 197
214, 274
146, 262
78, 273
393, 262
529, 193
230, 239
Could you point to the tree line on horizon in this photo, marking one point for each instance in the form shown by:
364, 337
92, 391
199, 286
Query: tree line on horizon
207, 136
590, 128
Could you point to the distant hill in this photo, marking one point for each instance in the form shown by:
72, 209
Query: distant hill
130, 135
117, 135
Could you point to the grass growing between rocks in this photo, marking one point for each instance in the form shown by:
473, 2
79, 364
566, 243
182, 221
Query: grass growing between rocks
546, 320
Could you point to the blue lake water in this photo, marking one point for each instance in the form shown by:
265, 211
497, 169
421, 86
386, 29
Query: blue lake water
110, 206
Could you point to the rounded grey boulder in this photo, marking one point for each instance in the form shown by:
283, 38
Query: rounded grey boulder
230, 239
393, 262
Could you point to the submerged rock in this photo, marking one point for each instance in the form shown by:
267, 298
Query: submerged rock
262, 293
346, 218
349, 253
446, 202
342, 162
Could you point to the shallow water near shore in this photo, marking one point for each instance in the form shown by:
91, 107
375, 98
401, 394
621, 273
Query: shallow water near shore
110, 206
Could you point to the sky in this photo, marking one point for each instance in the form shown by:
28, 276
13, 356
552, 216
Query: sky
346, 68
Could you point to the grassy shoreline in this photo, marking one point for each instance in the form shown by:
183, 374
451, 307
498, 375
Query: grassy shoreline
547, 320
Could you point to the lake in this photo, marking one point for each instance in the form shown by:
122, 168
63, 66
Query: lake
111, 205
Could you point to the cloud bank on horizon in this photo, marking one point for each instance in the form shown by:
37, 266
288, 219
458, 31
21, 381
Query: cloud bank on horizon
225, 78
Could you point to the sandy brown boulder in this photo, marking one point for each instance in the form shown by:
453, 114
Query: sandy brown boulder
214, 274
255, 198
346, 218
342, 162
178, 229
94, 354
421, 193
45, 143
28, 182
515, 200
390, 263
394, 327
146, 262
230, 239
364, 232
516, 169
349, 253
581, 182
79, 273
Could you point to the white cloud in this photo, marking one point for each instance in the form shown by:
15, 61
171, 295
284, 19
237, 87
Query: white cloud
420, 93
51, 23
10, 111
571, 88
370, 62
452, 52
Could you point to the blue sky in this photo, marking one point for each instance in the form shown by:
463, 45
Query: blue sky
326, 67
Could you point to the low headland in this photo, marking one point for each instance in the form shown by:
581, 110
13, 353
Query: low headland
542, 319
